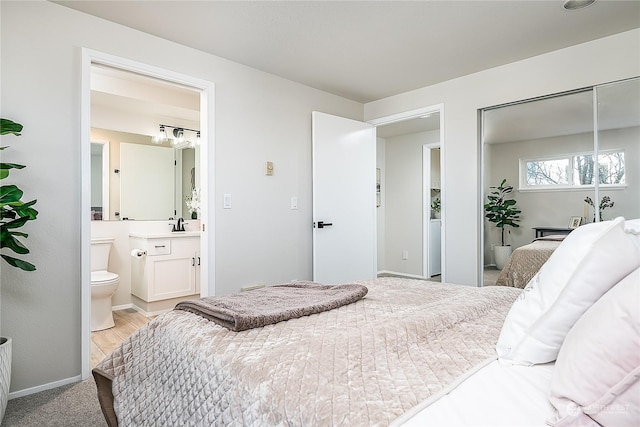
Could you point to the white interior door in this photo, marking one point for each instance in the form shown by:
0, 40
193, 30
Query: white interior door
156, 178
344, 199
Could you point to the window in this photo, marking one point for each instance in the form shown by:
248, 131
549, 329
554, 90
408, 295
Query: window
572, 170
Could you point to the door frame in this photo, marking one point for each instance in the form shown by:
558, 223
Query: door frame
207, 239
426, 207
413, 114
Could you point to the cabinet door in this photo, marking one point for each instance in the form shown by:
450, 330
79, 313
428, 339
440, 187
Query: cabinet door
171, 276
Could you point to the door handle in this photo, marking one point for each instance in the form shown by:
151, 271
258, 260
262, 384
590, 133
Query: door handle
322, 224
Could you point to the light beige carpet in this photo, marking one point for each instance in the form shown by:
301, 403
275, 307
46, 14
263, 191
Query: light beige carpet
74, 405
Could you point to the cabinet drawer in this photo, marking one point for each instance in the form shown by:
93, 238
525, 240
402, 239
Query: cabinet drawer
159, 247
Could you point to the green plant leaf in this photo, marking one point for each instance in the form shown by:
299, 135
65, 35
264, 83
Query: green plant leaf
10, 242
16, 223
15, 262
11, 166
25, 210
9, 194
9, 126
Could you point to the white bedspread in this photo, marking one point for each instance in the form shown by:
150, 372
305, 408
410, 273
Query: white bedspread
363, 364
495, 395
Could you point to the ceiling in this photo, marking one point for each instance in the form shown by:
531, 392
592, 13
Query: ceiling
358, 49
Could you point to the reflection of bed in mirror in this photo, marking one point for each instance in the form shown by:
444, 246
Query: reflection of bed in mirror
526, 260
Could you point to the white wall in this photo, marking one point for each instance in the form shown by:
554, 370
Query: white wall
403, 207
259, 117
604, 60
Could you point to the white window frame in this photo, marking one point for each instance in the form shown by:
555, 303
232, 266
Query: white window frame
524, 187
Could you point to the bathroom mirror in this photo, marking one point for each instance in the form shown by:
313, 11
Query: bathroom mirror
126, 111
137, 180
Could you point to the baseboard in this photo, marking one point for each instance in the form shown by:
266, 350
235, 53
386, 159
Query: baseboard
43, 387
410, 276
121, 307
150, 313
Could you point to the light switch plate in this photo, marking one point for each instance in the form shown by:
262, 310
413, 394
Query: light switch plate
226, 201
268, 168
294, 202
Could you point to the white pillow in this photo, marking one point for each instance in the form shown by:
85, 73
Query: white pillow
597, 374
632, 226
585, 265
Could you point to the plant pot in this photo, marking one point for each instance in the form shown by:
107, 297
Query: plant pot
5, 373
501, 255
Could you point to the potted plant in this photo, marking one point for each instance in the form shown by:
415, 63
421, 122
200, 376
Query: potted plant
605, 202
502, 211
193, 203
14, 214
435, 207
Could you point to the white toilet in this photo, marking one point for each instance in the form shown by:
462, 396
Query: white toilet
103, 285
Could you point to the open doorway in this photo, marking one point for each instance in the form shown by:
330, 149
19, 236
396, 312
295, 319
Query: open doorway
409, 202
203, 162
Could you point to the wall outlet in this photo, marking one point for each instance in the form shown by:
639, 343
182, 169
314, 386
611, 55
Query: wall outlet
405, 254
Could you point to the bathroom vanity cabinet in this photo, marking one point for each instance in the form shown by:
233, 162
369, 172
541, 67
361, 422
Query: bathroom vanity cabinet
168, 266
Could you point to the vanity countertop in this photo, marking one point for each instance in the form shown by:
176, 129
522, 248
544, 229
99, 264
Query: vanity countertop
167, 235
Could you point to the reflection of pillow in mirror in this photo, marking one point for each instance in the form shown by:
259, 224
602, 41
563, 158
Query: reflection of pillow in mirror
632, 227
597, 374
585, 265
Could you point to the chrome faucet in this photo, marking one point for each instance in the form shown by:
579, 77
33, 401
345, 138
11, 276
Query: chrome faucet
179, 226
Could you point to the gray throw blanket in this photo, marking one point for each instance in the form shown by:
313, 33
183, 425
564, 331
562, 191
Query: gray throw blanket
272, 304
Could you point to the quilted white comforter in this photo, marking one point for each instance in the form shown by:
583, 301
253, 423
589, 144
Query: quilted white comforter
363, 364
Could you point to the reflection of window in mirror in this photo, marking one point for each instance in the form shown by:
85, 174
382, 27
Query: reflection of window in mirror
573, 170
99, 180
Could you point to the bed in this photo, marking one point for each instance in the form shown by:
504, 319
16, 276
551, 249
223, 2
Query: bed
408, 352
362, 364
526, 260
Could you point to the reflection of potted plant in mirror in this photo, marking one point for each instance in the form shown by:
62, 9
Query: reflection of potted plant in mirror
503, 212
14, 214
193, 203
435, 207
605, 202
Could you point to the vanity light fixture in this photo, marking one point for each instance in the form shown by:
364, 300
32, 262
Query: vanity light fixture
577, 4
161, 138
178, 139
178, 133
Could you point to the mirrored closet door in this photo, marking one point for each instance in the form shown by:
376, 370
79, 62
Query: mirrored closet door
572, 158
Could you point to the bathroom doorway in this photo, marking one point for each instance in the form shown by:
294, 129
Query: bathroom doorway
92, 60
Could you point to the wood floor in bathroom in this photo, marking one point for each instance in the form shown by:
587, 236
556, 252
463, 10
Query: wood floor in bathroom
103, 342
